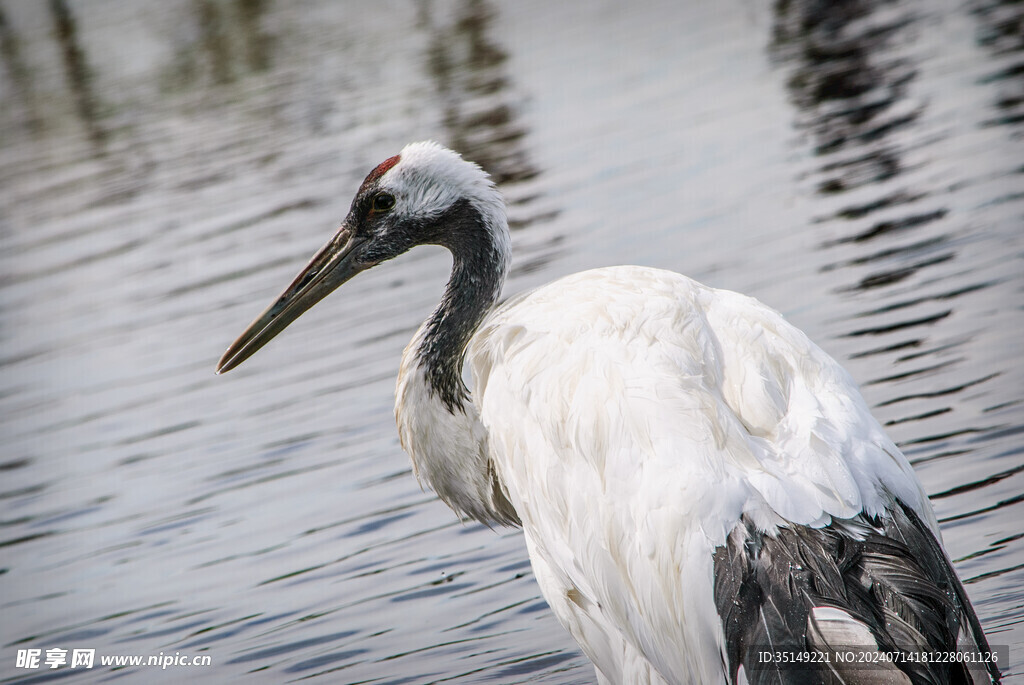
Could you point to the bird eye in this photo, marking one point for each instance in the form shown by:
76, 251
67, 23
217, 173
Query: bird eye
383, 202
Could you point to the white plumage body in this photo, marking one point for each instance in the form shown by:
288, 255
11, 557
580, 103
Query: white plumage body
694, 478
634, 415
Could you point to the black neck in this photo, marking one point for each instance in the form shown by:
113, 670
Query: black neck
478, 271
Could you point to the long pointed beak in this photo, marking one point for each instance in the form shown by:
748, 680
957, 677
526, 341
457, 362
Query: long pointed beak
334, 264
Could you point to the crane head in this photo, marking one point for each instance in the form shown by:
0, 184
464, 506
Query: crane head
427, 194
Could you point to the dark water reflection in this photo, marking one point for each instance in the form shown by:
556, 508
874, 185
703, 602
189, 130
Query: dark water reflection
167, 167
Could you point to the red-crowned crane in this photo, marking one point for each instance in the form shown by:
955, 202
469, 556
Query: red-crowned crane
701, 488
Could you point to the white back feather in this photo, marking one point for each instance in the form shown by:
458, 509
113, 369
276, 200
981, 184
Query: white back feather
635, 415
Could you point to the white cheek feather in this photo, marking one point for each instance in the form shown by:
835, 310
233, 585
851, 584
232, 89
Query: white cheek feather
429, 179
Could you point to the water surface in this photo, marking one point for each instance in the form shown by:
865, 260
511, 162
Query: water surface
167, 167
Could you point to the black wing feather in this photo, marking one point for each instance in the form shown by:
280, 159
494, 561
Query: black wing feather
888, 573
